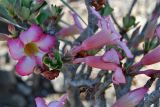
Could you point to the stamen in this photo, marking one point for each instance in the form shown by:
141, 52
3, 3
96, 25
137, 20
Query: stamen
30, 49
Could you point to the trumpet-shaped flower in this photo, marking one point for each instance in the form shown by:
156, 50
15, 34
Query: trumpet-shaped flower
107, 36
150, 58
29, 49
98, 62
132, 98
40, 102
76, 28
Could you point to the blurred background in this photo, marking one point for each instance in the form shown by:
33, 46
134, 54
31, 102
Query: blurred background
17, 91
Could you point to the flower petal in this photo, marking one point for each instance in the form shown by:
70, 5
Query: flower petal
39, 57
125, 48
118, 77
15, 48
31, 35
77, 22
46, 42
111, 56
158, 32
25, 65
40, 102
132, 98
54, 104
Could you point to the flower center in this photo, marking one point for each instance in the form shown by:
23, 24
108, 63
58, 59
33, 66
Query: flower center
30, 49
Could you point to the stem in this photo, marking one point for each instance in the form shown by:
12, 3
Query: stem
131, 8
9, 22
65, 3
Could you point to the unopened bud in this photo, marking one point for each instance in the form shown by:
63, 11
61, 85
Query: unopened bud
11, 29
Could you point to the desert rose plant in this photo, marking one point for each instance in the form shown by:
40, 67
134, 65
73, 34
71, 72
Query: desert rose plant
35, 37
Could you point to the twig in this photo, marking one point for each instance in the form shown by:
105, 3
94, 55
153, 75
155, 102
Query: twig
80, 83
131, 8
156, 104
113, 18
65, 3
92, 25
9, 22
103, 87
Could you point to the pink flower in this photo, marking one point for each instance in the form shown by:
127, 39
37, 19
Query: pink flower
41, 103
158, 32
76, 28
132, 98
98, 62
107, 36
150, 58
29, 49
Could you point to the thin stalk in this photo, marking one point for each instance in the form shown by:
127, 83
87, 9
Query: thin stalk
65, 3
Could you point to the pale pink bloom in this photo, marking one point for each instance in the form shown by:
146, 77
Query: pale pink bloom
76, 28
132, 98
107, 36
98, 62
111, 56
29, 49
150, 58
40, 102
158, 32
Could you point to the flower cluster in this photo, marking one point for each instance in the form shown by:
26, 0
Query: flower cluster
110, 60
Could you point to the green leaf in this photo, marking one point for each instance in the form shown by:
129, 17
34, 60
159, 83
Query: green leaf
26, 3
55, 63
25, 13
42, 17
4, 13
107, 10
57, 57
128, 21
56, 10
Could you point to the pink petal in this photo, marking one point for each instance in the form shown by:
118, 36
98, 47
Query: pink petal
132, 98
59, 103
25, 66
31, 35
15, 48
46, 43
54, 104
40, 102
63, 100
118, 77
125, 48
96, 13
69, 31
151, 57
111, 56
96, 41
158, 32
77, 22
97, 62
39, 57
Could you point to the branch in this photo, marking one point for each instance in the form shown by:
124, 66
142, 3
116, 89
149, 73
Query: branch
65, 3
131, 8
9, 22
